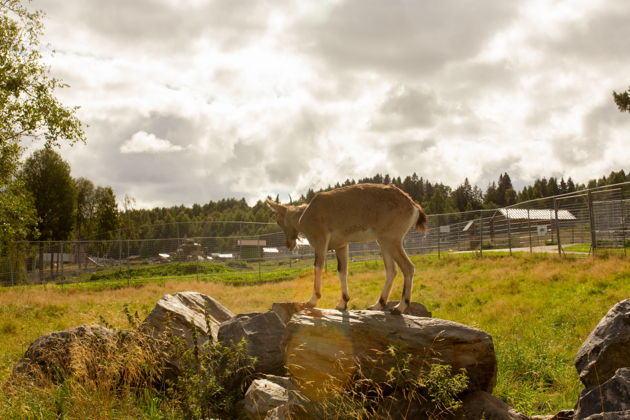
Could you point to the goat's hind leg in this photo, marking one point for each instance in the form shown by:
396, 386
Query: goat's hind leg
320, 258
342, 268
390, 274
406, 266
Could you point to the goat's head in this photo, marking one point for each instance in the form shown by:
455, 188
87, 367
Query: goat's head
285, 222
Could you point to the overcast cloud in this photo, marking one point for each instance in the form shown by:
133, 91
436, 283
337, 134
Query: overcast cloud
196, 100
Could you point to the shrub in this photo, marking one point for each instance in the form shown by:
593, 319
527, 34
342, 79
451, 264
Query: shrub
410, 390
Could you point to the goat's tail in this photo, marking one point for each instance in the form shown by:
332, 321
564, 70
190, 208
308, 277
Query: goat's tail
421, 223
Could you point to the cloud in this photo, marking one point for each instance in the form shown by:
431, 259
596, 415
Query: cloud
408, 107
196, 100
402, 37
143, 142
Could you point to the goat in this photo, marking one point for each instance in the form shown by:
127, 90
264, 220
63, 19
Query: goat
356, 213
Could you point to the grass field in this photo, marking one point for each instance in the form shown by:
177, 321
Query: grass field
538, 309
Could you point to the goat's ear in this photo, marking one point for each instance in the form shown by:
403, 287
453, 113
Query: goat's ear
277, 207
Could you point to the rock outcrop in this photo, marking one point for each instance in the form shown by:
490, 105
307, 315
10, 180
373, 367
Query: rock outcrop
61, 354
613, 396
187, 314
263, 333
607, 348
264, 395
324, 342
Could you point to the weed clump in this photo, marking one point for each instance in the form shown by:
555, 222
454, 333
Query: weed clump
429, 391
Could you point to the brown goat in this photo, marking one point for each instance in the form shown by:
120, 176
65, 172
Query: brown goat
356, 213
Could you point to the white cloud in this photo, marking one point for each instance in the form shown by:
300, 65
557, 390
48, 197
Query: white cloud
297, 95
143, 142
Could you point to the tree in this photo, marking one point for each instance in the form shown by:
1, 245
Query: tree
86, 206
47, 177
622, 100
107, 218
28, 107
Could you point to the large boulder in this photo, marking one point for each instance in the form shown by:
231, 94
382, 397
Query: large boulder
615, 415
414, 308
263, 333
613, 396
61, 354
480, 405
264, 395
607, 348
185, 315
321, 343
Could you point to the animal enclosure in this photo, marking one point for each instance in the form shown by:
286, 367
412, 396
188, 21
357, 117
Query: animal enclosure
596, 219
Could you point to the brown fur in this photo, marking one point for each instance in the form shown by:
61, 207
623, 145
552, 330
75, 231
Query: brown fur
356, 213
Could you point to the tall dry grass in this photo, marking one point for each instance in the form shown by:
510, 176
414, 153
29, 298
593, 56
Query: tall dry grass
537, 308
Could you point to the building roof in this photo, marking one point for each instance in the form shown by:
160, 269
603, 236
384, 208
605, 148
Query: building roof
536, 214
251, 242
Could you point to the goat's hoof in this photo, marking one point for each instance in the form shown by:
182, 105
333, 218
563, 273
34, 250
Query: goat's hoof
396, 311
341, 307
308, 305
376, 307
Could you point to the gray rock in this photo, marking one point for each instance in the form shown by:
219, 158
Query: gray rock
616, 415
611, 396
182, 313
58, 355
262, 396
263, 333
415, 308
561, 415
285, 310
289, 411
482, 405
607, 348
322, 342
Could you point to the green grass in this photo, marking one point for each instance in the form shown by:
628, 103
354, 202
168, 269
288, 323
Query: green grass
602, 249
538, 309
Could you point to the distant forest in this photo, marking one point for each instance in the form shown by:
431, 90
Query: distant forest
76, 209
434, 197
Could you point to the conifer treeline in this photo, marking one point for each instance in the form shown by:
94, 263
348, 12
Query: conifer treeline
434, 197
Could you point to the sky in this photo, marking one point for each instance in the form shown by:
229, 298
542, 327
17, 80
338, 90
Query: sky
187, 101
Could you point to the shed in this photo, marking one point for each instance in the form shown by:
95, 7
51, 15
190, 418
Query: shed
251, 248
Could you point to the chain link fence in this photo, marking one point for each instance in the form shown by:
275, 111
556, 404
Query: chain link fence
581, 223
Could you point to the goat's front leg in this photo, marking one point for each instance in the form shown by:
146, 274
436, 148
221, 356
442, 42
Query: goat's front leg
342, 269
320, 258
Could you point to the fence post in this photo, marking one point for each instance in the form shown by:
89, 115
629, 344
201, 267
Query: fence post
480, 233
623, 226
507, 216
529, 230
555, 207
438, 244
63, 258
9, 255
591, 217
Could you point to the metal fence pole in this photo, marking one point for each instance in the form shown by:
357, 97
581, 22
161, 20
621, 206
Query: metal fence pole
623, 226
591, 217
63, 258
481, 234
438, 243
555, 207
509, 230
529, 230
9, 255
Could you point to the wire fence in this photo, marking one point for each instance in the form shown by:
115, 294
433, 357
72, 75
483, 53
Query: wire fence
580, 223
